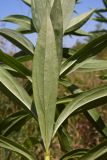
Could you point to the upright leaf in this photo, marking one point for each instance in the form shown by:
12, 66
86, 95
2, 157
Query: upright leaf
67, 10
45, 79
57, 22
38, 10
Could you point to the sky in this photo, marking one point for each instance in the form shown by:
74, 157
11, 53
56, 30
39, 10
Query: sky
8, 7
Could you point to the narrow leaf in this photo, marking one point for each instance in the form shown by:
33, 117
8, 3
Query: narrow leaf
89, 50
12, 84
93, 65
13, 63
67, 10
18, 39
24, 22
96, 152
79, 102
13, 146
45, 79
78, 22
13, 122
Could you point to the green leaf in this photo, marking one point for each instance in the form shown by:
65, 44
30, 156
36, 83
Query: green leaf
93, 65
18, 39
13, 63
15, 88
57, 22
74, 154
96, 152
15, 147
24, 22
13, 122
67, 10
45, 79
81, 101
22, 57
89, 50
38, 11
78, 22
80, 32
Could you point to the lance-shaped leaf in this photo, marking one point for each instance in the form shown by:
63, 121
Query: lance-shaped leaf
93, 65
18, 39
89, 50
74, 154
13, 63
38, 11
15, 88
45, 79
96, 152
92, 114
78, 22
67, 10
14, 122
78, 102
24, 22
57, 22
15, 147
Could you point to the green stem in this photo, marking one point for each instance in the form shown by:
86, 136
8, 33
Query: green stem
47, 155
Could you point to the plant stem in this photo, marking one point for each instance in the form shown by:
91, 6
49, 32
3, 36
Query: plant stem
47, 155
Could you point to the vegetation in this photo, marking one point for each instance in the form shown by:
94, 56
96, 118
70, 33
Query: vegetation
37, 90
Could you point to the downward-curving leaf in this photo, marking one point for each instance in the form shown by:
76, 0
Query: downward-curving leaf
14, 122
45, 79
96, 152
24, 22
67, 10
74, 154
78, 22
18, 39
14, 64
15, 88
80, 101
15, 147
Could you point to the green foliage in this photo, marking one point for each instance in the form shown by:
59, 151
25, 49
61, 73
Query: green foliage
39, 97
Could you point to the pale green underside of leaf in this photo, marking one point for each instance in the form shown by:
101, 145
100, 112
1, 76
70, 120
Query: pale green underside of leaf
13, 146
78, 21
18, 39
80, 101
15, 88
45, 79
67, 10
93, 65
